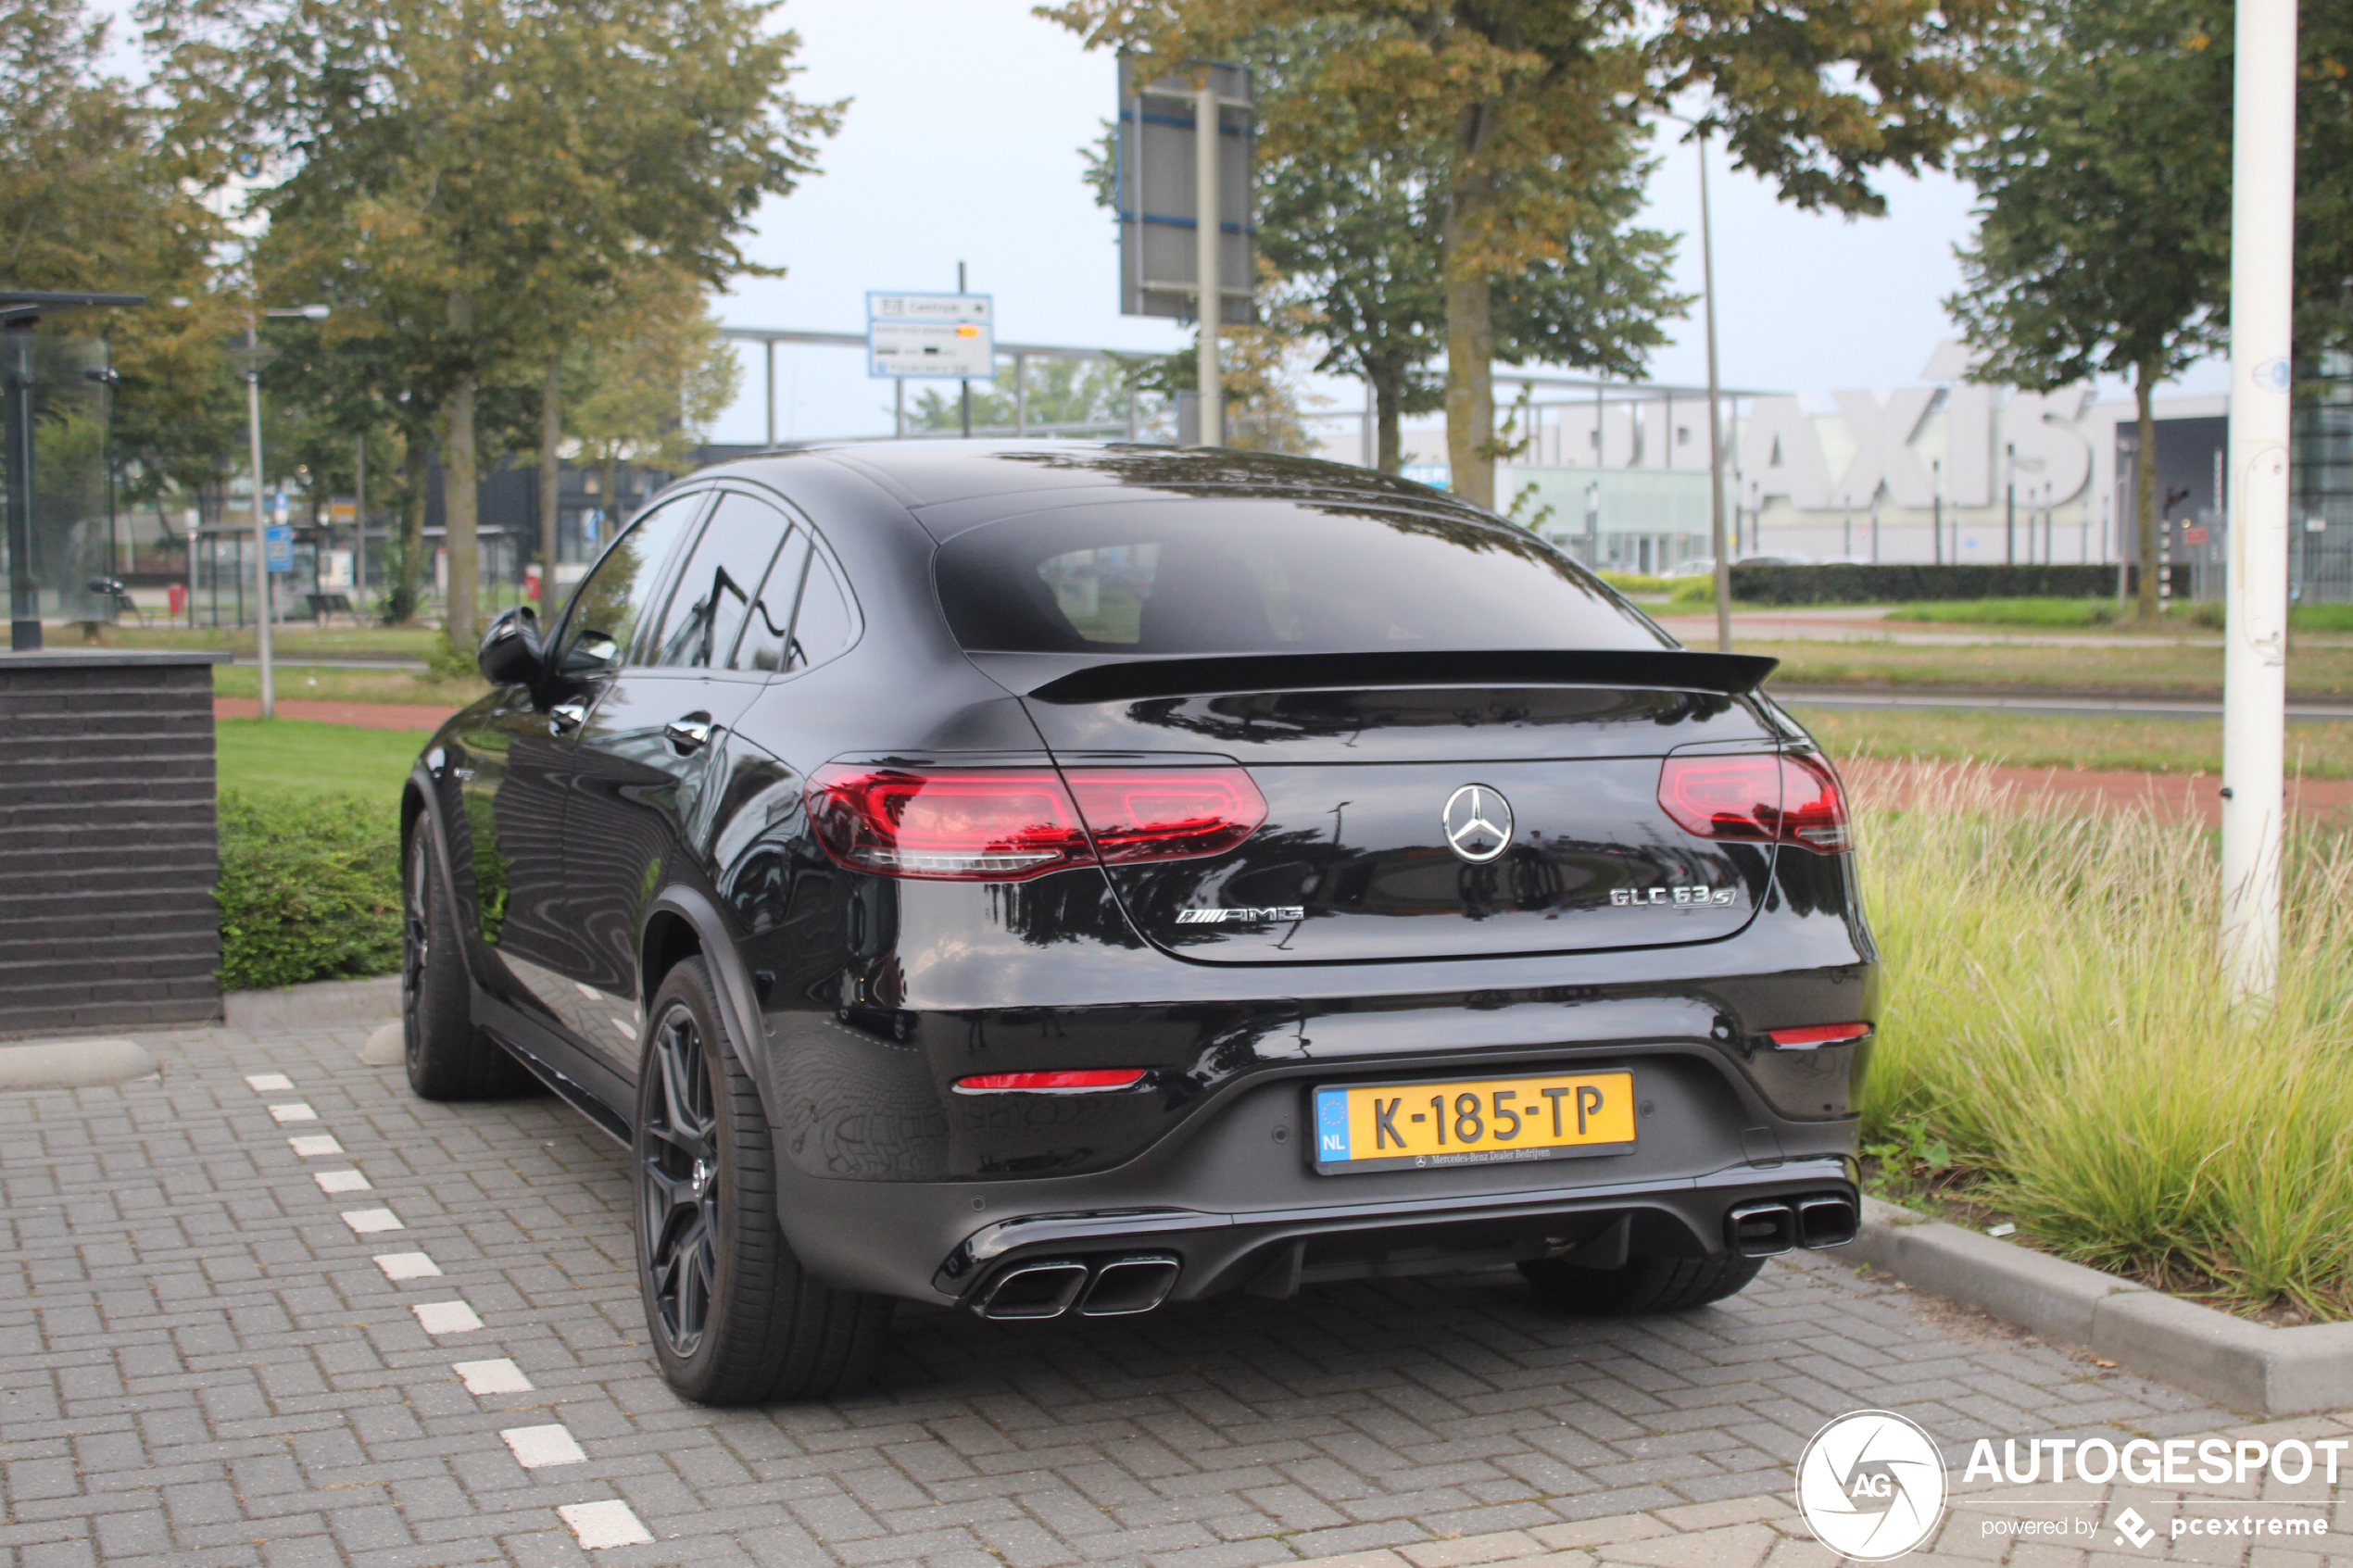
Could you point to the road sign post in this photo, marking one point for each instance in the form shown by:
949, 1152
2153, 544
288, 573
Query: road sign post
942, 337
1183, 199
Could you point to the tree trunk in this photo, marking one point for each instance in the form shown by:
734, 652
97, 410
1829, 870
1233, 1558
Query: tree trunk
551, 434
1470, 390
416, 468
2145, 484
1389, 440
458, 501
609, 477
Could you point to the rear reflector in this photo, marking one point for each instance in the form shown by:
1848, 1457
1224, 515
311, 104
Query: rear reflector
1004, 824
1817, 1034
1780, 797
1050, 1083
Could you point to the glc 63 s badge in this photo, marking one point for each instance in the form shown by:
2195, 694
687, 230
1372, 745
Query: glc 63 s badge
1690, 897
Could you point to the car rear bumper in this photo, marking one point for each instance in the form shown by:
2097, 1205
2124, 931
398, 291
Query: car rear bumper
1274, 1252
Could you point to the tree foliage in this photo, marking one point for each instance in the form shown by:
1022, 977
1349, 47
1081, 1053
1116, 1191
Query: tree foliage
474, 181
1532, 101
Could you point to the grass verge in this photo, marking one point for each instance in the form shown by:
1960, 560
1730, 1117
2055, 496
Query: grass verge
2049, 612
2316, 671
313, 683
2318, 750
293, 759
2055, 1046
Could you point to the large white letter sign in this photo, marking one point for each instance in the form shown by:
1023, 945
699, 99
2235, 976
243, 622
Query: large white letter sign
2048, 454
1883, 448
1779, 454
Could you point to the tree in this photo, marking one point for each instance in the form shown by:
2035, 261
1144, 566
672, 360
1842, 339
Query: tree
1060, 391
1532, 99
94, 194
477, 176
646, 385
2104, 243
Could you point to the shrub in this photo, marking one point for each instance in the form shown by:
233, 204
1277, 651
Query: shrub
2055, 1018
1846, 583
309, 889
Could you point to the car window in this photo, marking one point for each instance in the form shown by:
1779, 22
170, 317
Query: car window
767, 626
1246, 576
602, 622
713, 596
823, 626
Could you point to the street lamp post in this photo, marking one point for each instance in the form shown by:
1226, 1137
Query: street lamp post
260, 526
107, 376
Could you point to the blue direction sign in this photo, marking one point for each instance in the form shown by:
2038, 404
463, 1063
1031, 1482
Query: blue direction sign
278, 548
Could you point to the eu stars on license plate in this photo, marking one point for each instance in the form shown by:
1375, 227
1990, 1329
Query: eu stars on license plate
1385, 1126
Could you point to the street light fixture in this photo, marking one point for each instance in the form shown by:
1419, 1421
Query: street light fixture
254, 358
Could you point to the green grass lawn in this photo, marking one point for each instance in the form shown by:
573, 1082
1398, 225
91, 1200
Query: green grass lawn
2314, 669
290, 756
2050, 612
2032, 740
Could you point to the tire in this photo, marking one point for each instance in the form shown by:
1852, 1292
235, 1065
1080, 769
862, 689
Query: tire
734, 1317
448, 1058
1643, 1286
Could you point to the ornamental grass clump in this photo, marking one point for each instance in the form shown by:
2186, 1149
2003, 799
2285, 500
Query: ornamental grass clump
2056, 1020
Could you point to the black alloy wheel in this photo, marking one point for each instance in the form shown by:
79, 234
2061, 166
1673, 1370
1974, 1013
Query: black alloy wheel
734, 1317
678, 1182
448, 1058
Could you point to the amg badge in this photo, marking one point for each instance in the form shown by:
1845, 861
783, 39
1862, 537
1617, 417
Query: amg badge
1241, 917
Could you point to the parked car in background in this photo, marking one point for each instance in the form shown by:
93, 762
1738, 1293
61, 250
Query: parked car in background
1050, 878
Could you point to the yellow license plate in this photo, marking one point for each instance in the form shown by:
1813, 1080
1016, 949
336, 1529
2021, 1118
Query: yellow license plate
1488, 1122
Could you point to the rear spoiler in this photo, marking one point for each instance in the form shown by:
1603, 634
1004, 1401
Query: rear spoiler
1670, 669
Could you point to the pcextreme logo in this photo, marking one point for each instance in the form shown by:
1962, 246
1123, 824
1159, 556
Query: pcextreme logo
1872, 1486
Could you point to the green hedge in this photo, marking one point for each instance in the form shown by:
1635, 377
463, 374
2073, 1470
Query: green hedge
1899, 584
309, 890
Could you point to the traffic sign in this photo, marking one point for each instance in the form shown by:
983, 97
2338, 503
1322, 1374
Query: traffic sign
278, 548
950, 335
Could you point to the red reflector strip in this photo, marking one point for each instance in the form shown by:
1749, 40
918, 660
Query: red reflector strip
1049, 1083
1819, 1033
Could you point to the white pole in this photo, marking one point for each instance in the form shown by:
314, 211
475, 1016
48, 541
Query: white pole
1716, 540
2254, 642
260, 529
1208, 225
770, 344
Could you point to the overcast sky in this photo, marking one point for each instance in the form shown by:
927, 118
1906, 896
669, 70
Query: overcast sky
962, 144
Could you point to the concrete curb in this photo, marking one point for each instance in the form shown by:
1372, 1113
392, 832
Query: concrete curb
72, 1064
322, 1004
2247, 1366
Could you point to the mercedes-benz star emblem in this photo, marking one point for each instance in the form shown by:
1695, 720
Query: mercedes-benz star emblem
1477, 824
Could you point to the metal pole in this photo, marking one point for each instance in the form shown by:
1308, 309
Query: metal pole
1936, 517
1715, 421
770, 344
2255, 641
964, 388
24, 590
2009, 503
1021, 394
360, 524
899, 407
1208, 229
261, 535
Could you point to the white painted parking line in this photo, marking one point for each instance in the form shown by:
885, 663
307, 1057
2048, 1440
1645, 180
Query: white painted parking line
267, 1082
501, 1376
298, 1111
310, 1146
340, 1181
445, 1317
367, 1221
536, 1447
407, 1265
597, 1525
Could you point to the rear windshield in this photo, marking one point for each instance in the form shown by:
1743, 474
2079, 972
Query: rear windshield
1244, 577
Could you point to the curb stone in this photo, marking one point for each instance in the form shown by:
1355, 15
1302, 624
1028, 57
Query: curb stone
322, 1003
73, 1064
2247, 1366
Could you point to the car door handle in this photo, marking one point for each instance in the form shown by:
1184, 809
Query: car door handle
566, 717
688, 734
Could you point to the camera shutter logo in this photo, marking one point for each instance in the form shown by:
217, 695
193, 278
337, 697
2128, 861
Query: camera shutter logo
1477, 820
1872, 1486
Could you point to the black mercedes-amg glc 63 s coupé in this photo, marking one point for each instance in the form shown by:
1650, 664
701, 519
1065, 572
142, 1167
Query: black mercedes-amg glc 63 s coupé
1062, 879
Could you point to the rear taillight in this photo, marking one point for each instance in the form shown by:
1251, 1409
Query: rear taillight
1785, 798
1004, 824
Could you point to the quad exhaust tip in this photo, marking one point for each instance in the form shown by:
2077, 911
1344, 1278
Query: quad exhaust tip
1761, 1230
1117, 1287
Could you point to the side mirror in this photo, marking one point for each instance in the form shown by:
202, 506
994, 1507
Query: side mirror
509, 654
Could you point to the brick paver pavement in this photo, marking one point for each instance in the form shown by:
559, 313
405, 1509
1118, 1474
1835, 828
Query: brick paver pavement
203, 1362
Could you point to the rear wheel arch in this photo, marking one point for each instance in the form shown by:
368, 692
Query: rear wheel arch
683, 925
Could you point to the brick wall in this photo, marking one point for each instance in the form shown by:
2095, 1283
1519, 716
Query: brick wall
108, 848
